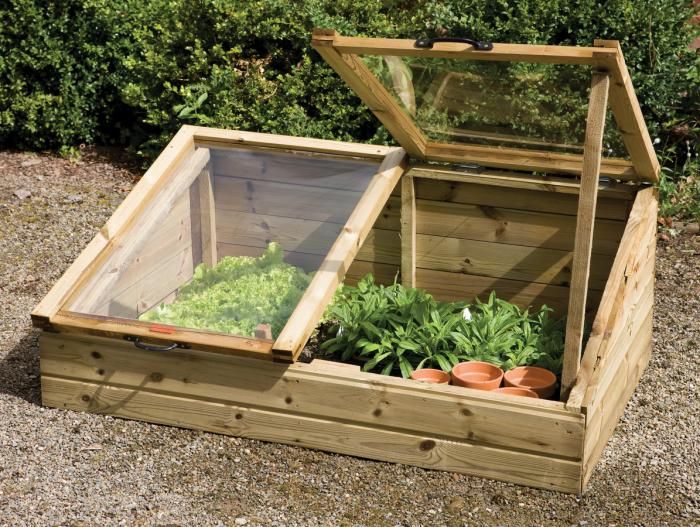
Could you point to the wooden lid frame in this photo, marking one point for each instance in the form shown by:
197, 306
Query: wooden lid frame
52, 313
342, 54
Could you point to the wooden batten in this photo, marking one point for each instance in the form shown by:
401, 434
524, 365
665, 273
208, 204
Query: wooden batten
585, 220
303, 320
408, 232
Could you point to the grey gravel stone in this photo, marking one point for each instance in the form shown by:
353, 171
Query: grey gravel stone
53, 474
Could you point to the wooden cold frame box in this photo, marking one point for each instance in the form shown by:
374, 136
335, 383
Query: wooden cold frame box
575, 231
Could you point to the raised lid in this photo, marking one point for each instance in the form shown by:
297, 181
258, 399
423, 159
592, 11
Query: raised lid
515, 106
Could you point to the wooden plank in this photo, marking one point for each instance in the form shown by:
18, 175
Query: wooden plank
303, 320
514, 262
327, 171
581, 268
140, 196
384, 105
643, 213
514, 198
628, 114
285, 199
228, 138
603, 423
66, 322
206, 209
98, 288
348, 394
527, 160
515, 180
408, 232
538, 53
298, 430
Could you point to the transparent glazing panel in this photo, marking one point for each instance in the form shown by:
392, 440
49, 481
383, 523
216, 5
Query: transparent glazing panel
505, 104
229, 244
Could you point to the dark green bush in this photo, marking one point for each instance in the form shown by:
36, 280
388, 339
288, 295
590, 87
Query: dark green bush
132, 72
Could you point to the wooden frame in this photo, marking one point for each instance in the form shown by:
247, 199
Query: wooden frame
168, 177
583, 244
342, 55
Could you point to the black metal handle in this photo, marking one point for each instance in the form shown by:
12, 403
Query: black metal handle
427, 43
152, 347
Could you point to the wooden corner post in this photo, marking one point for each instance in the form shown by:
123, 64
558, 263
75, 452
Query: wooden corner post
408, 231
588, 194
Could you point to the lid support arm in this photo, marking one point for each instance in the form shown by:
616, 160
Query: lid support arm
588, 194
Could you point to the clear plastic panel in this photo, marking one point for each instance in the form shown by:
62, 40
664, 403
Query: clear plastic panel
504, 104
229, 245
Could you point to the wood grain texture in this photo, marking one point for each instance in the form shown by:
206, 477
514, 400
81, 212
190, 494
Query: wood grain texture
325, 390
181, 145
642, 222
628, 114
585, 220
386, 445
305, 316
408, 232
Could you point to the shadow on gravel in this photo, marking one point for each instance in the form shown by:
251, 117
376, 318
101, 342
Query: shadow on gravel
19, 370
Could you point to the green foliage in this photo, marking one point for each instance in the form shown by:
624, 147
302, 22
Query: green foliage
132, 72
236, 295
395, 328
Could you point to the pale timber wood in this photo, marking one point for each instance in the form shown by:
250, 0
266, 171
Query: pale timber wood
306, 431
203, 214
128, 245
363, 82
514, 180
298, 328
142, 194
229, 138
643, 212
580, 269
514, 198
408, 232
324, 390
448, 50
116, 328
628, 114
527, 160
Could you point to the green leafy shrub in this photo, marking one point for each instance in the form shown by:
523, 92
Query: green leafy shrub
236, 295
396, 328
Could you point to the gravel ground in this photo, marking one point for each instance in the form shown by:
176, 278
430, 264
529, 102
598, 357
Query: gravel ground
64, 468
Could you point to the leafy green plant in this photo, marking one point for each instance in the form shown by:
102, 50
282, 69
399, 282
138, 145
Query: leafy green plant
392, 328
236, 295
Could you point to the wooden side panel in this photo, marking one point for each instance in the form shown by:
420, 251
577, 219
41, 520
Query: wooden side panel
319, 405
625, 346
472, 239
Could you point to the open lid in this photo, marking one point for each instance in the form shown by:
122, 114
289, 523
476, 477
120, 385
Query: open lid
510, 106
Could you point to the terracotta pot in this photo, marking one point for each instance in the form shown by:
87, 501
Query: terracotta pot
537, 379
431, 376
524, 392
478, 375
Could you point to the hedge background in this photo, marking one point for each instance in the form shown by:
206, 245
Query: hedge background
129, 72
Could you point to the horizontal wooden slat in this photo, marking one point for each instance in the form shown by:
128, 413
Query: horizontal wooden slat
347, 395
449, 50
514, 198
203, 134
420, 450
548, 266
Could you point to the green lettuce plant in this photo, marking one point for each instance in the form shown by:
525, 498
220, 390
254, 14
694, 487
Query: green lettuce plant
236, 295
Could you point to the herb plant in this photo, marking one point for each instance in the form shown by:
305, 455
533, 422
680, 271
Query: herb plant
236, 295
393, 328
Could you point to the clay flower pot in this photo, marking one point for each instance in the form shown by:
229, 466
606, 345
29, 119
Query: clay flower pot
478, 375
431, 376
538, 380
523, 392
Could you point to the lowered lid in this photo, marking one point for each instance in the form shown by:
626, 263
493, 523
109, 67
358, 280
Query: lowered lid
512, 106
